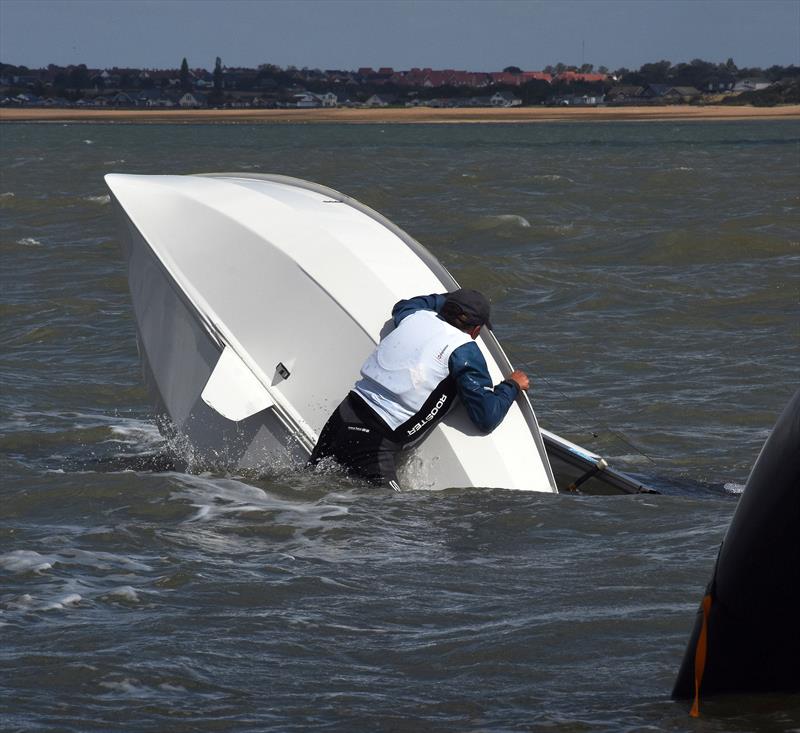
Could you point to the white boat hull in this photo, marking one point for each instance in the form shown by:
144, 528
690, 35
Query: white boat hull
178, 353
257, 298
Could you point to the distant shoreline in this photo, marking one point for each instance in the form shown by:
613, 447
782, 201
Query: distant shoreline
408, 115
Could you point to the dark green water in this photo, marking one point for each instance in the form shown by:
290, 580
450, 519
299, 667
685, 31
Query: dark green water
646, 276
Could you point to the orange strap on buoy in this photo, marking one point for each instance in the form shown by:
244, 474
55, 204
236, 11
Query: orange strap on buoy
700, 653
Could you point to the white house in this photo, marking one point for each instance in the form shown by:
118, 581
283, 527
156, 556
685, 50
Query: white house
153, 98
329, 99
581, 100
306, 100
189, 101
381, 100
751, 85
122, 99
505, 99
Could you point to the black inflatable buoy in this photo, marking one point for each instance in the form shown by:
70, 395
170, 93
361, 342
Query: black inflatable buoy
746, 637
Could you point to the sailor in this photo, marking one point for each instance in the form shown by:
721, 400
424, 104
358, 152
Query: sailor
411, 380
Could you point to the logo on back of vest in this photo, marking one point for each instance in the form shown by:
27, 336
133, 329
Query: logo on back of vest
432, 414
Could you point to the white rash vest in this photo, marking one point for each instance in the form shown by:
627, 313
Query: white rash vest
401, 379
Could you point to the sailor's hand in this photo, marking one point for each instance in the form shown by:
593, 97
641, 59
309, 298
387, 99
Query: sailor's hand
520, 378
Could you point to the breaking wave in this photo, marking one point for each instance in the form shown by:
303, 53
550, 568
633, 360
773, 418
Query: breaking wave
553, 177
503, 220
102, 200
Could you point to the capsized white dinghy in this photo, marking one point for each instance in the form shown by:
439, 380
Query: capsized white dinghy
258, 297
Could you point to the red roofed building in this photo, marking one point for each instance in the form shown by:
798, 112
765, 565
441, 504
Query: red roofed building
570, 76
427, 77
435, 79
515, 80
506, 77
532, 75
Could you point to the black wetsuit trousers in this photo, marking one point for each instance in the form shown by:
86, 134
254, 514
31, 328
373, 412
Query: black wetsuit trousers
355, 437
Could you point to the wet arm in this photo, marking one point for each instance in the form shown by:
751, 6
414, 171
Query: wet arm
486, 404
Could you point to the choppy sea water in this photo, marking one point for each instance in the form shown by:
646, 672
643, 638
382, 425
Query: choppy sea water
645, 275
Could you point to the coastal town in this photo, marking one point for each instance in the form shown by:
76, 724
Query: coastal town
273, 87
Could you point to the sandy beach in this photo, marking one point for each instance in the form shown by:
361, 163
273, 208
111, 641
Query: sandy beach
403, 115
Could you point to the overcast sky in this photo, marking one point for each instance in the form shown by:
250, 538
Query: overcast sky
479, 35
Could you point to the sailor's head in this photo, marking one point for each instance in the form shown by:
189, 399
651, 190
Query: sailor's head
467, 310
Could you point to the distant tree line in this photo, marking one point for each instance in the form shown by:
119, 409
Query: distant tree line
697, 73
76, 82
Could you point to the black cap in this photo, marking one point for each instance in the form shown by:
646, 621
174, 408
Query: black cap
472, 304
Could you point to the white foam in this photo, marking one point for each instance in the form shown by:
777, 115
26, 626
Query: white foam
498, 221
202, 513
101, 560
513, 219
553, 177
733, 488
141, 435
136, 431
68, 601
24, 561
102, 200
89, 142
215, 497
127, 686
7, 195
23, 602
29, 242
125, 593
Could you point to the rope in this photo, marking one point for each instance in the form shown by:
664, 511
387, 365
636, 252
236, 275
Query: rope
619, 436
